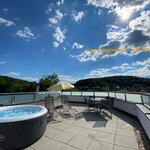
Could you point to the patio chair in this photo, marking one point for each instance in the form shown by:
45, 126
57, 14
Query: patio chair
66, 107
106, 105
89, 103
53, 114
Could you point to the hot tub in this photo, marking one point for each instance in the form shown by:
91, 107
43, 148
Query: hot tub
21, 125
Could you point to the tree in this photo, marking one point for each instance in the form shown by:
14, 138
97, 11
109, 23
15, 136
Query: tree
48, 81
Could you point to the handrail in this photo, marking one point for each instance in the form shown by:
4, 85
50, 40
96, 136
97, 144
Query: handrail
34, 95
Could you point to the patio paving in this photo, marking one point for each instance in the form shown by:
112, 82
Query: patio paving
88, 133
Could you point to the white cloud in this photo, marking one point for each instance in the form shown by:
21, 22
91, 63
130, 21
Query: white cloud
2, 62
5, 10
116, 6
6, 22
122, 67
141, 23
13, 74
77, 45
99, 12
99, 73
49, 9
138, 68
26, 34
31, 79
59, 36
57, 18
66, 78
87, 56
93, 55
77, 16
143, 63
116, 33
55, 44
60, 2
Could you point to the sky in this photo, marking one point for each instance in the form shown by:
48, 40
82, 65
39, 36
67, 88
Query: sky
75, 39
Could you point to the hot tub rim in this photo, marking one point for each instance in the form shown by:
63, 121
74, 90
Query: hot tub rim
42, 112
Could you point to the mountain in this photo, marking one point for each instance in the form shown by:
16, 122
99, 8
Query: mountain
8, 85
114, 83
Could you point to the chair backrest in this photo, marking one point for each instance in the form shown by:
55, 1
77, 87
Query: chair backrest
65, 102
49, 103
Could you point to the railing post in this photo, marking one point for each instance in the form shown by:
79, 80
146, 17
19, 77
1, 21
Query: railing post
125, 97
115, 95
12, 99
34, 97
142, 99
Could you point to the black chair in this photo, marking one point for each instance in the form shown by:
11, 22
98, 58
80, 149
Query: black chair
89, 103
53, 114
107, 104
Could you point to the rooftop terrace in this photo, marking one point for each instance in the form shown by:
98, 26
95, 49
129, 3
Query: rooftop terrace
90, 131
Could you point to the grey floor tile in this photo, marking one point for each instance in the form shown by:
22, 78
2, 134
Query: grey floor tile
64, 137
125, 132
116, 147
49, 145
87, 132
51, 132
80, 142
73, 129
99, 145
60, 125
124, 126
68, 147
111, 130
126, 142
105, 137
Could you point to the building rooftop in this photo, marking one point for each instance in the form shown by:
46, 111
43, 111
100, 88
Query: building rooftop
90, 131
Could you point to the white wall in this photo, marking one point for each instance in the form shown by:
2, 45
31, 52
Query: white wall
137, 110
126, 106
145, 121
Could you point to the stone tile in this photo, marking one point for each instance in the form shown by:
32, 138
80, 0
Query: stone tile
80, 142
126, 141
50, 144
40, 142
124, 126
87, 132
80, 123
64, 137
125, 132
116, 147
51, 132
68, 147
90, 124
105, 137
106, 129
68, 121
73, 129
111, 124
59, 125
99, 145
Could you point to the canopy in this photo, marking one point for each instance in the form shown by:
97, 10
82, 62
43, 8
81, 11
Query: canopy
60, 86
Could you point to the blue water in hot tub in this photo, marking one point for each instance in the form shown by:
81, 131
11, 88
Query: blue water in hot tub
19, 111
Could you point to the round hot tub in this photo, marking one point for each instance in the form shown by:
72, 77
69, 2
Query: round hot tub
21, 125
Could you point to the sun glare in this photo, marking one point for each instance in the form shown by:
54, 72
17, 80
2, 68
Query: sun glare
124, 13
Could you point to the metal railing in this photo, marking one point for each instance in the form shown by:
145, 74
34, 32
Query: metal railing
18, 98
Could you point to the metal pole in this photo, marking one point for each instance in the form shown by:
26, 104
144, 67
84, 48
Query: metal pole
142, 99
125, 97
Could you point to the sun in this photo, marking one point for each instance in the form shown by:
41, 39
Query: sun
124, 13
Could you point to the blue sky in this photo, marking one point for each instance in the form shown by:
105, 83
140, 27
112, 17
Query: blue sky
74, 38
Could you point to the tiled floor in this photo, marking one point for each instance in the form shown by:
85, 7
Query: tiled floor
85, 133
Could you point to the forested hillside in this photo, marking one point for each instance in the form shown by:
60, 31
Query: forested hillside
114, 83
